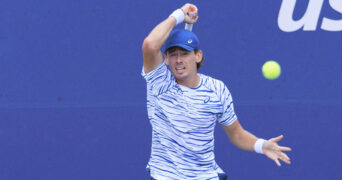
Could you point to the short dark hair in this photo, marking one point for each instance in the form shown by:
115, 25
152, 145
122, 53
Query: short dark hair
195, 51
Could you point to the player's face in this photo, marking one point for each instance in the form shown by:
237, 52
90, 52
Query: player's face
183, 63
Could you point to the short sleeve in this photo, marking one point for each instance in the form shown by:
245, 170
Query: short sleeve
228, 114
158, 80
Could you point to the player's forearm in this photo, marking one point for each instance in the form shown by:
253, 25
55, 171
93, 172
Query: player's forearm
244, 140
155, 40
240, 137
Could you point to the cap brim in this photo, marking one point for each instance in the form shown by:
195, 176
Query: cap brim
188, 48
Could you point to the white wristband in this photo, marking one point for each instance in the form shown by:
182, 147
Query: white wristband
179, 15
258, 146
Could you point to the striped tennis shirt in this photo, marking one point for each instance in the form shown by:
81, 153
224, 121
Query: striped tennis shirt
183, 121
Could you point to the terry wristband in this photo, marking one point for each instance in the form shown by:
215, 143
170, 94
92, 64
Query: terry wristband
179, 15
258, 146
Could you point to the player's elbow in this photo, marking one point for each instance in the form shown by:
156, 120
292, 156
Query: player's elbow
234, 138
235, 134
149, 46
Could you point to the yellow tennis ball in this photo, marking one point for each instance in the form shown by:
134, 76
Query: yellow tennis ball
271, 70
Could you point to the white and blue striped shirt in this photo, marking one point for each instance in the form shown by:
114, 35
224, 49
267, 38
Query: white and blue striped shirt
183, 121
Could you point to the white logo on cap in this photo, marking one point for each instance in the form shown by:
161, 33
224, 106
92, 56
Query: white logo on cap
190, 41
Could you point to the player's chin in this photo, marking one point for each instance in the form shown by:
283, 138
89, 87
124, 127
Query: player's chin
180, 75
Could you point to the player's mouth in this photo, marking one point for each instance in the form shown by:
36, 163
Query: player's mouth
180, 68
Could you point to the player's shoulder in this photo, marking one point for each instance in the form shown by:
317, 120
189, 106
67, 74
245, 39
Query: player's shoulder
212, 83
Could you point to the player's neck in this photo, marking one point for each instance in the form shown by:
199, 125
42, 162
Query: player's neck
192, 82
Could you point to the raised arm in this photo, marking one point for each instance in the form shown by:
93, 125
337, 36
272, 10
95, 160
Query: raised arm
155, 40
247, 141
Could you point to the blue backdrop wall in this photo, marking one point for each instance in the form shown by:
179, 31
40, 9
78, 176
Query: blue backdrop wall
72, 101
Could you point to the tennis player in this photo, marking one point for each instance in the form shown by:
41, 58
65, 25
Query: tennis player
184, 107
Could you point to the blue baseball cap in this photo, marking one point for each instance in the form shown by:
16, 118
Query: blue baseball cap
184, 39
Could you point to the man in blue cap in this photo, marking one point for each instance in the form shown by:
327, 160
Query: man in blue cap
184, 107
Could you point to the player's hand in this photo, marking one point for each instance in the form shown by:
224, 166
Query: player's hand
187, 18
275, 152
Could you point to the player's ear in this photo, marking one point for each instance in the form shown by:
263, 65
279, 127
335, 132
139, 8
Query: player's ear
199, 55
166, 59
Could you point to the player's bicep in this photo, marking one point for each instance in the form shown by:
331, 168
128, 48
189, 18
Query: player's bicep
152, 61
153, 57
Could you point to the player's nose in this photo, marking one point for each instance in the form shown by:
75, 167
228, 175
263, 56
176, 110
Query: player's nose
179, 58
